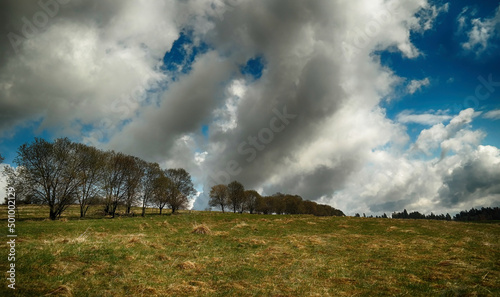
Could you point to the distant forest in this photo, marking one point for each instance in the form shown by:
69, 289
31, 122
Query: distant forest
483, 214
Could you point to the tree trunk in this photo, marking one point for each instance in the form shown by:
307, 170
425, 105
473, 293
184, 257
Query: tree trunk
53, 214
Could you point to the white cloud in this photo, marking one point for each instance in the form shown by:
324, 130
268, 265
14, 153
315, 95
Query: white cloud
468, 178
481, 32
492, 114
430, 139
417, 85
407, 117
81, 70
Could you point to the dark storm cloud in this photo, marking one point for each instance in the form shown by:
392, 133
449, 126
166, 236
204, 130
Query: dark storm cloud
475, 179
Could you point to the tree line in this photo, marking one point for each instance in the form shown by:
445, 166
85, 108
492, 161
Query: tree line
62, 173
418, 216
483, 214
235, 198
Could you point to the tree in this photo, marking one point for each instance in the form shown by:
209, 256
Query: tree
162, 186
50, 171
251, 199
278, 203
1, 159
115, 180
133, 179
152, 171
219, 196
264, 205
293, 204
183, 188
236, 193
89, 175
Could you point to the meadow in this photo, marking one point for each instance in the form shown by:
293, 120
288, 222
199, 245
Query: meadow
215, 254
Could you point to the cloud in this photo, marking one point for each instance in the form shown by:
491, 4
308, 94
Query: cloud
430, 139
89, 56
407, 117
492, 114
476, 178
417, 85
481, 31
467, 178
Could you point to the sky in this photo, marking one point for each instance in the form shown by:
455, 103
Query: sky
370, 106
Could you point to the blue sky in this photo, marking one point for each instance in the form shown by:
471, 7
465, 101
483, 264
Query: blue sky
452, 71
194, 83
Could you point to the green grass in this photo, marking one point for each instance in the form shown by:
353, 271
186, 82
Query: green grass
252, 255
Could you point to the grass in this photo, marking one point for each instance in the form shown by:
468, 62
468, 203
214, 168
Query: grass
215, 254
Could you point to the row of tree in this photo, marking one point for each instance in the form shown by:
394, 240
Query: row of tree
418, 216
483, 214
62, 173
234, 197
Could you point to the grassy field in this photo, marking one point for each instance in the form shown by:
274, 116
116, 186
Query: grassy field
251, 255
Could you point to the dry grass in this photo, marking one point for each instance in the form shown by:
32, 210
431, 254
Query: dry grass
201, 229
186, 265
62, 290
240, 225
263, 256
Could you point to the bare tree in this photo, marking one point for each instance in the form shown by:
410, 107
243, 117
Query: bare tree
236, 195
90, 176
219, 197
134, 173
115, 180
162, 187
251, 200
49, 169
183, 188
151, 173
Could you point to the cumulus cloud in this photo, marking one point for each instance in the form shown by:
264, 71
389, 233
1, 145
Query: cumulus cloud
467, 178
89, 56
430, 139
309, 124
416, 85
481, 31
